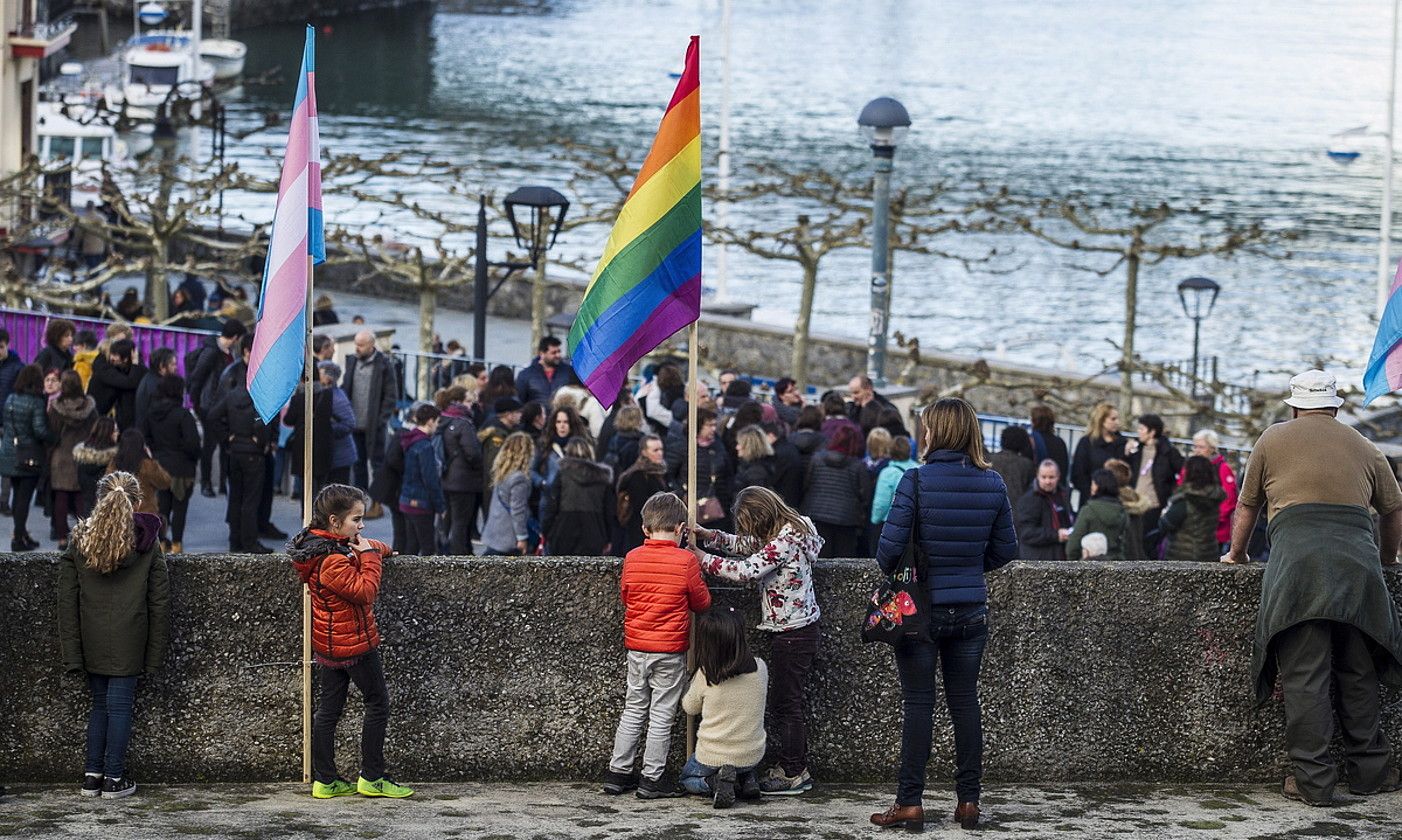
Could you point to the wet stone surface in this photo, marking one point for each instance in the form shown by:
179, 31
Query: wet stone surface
549, 811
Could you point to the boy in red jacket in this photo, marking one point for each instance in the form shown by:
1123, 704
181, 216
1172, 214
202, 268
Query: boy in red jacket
661, 587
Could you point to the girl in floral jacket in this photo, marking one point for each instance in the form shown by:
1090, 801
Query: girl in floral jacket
784, 544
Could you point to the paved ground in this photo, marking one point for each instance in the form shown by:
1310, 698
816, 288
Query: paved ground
206, 531
548, 811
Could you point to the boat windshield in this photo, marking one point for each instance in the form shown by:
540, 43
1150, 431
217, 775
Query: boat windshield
150, 76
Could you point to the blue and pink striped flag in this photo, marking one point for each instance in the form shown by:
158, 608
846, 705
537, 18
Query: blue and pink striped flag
1384, 373
280, 340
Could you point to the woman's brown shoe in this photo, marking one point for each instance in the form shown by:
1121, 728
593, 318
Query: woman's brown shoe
909, 817
967, 815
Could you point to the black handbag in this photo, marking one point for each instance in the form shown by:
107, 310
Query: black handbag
28, 456
899, 608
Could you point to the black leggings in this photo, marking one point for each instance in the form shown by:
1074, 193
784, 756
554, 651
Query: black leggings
420, 539
24, 487
173, 511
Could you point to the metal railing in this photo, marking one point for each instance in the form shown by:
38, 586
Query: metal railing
1203, 380
412, 362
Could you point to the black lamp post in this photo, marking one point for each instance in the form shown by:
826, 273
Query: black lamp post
537, 231
884, 123
1197, 294
481, 294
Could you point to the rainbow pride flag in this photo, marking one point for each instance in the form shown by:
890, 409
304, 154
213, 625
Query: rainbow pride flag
648, 282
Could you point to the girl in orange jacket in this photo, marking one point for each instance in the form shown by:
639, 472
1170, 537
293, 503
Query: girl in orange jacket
342, 571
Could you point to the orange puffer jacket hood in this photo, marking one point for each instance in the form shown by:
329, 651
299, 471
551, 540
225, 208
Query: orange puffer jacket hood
661, 587
344, 584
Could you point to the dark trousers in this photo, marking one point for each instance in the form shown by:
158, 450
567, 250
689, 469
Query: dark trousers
959, 634
368, 674
245, 500
174, 512
365, 459
462, 516
399, 532
790, 661
65, 502
109, 724
419, 538
24, 487
208, 447
1312, 655
839, 540
1152, 537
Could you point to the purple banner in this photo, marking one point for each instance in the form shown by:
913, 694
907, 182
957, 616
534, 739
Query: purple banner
27, 335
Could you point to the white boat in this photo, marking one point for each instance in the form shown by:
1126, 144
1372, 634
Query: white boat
78, 147
225, 55
161, 65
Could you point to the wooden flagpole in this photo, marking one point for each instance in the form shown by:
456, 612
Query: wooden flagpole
693, 338
307, 491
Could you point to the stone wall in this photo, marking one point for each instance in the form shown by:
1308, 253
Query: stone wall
513, 669
766, 350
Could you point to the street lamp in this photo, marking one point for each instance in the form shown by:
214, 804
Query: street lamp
1197, 294
884, 124
480, 293
547, 215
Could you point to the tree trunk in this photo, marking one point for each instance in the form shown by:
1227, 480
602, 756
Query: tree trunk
428, 310
805, 307
157, 287
538, 285
1127, 352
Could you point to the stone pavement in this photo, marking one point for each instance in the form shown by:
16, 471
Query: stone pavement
544, 811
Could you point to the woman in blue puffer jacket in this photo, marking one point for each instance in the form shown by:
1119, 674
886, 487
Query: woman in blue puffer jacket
960, 514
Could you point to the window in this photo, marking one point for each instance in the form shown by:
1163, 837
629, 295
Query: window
92, 148
151, 76
61, 148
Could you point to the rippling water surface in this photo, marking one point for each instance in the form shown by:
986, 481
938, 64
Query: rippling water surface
1229, 102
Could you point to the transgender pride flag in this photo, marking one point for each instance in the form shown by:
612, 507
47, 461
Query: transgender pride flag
280, 340
1384, 373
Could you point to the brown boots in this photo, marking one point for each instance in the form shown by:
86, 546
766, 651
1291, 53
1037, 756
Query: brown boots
967, 815
909, 817
912, 817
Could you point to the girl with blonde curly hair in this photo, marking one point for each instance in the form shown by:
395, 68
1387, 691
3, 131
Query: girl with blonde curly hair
113, 610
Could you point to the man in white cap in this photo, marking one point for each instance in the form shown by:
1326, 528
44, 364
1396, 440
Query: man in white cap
1325, 614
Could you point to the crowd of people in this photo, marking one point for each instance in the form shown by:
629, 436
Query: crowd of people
776, 489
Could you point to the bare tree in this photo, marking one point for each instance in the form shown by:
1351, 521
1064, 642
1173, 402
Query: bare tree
834, 214
1134, 237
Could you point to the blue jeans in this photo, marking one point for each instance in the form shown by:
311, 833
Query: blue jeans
958, 634
696, 777
109, 724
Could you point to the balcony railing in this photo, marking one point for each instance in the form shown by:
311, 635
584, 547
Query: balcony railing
42, 39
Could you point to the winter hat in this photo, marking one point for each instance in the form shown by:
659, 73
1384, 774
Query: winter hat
506, 405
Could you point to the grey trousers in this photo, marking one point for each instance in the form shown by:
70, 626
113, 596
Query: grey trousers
1312, 656
656, 683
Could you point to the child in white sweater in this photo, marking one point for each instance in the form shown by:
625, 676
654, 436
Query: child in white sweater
728, 690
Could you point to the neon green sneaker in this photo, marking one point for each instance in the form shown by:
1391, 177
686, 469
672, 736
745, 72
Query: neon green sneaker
381, 787
340, 787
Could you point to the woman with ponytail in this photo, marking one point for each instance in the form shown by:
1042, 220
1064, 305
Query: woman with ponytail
113, 609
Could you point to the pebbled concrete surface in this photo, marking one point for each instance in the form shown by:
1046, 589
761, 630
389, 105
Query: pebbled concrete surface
552, 811
513, 669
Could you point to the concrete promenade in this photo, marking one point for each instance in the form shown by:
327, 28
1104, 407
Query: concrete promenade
553, 811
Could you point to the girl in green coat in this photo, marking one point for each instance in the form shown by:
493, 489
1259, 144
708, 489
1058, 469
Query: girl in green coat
113, 608
1103, 514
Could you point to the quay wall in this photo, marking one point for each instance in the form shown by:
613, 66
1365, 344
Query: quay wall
505, 668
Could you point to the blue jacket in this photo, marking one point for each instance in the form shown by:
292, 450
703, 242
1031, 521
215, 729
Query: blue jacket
965, 525
422, 490
343, 451
532, 384
9, 369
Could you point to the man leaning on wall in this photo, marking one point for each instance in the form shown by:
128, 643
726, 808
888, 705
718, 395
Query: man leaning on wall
1325, 614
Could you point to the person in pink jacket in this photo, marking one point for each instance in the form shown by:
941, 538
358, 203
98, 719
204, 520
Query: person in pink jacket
1205, 443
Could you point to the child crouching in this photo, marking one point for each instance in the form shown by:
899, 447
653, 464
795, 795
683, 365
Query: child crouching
342, 570
728, 690
660, 587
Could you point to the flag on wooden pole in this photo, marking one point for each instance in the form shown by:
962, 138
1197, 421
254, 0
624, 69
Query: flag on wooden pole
648, 281
279, 342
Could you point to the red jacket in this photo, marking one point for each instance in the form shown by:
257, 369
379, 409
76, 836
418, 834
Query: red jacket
344, 584
661, 587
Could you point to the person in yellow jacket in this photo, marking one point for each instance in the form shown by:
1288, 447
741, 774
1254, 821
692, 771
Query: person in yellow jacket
84, 351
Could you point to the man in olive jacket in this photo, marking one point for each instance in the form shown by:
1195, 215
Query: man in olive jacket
1326, 615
